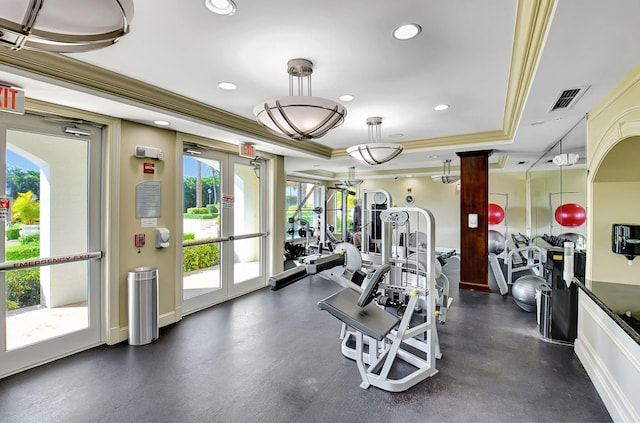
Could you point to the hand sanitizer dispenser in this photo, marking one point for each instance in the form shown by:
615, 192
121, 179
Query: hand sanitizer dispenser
162, 237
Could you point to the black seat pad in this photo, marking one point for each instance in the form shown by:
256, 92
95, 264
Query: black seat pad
371, 320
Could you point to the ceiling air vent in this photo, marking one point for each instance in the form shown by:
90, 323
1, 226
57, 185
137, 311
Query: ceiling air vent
567, 98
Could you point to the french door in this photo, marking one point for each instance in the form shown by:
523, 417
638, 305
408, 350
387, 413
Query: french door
50, 254
223, 227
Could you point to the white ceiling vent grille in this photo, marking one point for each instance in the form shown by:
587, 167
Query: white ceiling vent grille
567, 98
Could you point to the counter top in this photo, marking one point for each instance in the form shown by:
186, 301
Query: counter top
616, 299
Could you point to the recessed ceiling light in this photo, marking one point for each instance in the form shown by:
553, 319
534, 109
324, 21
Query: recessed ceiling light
227, 86
346, 97
161, 122
406, 32
433, 156
396, 135
221, 7
441, 107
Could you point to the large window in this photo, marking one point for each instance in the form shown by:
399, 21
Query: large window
305, 210
301, 201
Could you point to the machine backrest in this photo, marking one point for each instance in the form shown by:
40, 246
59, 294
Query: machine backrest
375, 279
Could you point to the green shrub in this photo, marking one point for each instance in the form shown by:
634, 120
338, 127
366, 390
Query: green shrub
212, 209
29, 239
197, 210
188, 236
12, 305
24, 209
23, 251
13, 232
201, 257
198, 216
23, 288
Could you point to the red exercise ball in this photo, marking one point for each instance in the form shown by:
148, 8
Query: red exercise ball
571, 215
496, 214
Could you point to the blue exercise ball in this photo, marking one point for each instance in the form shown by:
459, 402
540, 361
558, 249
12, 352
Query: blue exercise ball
523, 291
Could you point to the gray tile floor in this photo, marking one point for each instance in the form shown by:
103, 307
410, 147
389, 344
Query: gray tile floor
275, 357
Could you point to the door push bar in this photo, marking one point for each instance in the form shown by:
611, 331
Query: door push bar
49, 261
223, 239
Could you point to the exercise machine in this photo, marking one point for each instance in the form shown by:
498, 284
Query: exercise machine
343, 266
315, 231
397, 331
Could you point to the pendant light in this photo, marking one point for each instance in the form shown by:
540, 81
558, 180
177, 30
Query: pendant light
64, 26
446, 177
300, 117
352, 182
375, 152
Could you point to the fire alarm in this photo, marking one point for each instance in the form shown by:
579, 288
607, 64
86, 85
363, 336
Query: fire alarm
149, 167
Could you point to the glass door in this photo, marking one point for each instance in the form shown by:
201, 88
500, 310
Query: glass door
51, 228
201, 227
223, 243
248, 220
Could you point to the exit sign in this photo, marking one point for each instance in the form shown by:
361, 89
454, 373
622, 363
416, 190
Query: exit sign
11, 100
247, 150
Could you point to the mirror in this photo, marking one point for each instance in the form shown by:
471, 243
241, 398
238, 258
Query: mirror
557, 191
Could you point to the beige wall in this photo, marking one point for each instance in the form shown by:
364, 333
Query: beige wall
613, 130
131, 174
443, 201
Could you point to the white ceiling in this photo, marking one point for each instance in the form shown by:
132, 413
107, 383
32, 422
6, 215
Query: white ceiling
463, 57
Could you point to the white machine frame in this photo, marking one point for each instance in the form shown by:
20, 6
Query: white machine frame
412, 279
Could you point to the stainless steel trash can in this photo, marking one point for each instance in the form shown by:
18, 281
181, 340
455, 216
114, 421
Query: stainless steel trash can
143, 305
543, 303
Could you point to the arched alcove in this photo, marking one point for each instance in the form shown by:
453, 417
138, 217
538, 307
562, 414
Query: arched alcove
615, 186
614, 179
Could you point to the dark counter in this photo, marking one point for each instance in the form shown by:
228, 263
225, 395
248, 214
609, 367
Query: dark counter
617, 300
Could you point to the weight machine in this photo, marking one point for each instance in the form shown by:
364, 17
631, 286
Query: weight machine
318, 234
397, 330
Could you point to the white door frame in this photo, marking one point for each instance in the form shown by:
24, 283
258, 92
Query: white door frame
37, 353
227, 237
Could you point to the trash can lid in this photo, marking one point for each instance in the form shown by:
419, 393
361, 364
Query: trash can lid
145, 269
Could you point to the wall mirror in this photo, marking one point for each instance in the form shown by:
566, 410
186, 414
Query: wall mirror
557, 191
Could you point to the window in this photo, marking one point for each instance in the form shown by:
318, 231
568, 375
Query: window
301, 200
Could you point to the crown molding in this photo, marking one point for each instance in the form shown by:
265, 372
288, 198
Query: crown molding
533, 19
105, 83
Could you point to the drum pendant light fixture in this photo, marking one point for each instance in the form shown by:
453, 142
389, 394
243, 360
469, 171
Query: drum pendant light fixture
63, 26
352, 182
375, 152
300, 117
446, 177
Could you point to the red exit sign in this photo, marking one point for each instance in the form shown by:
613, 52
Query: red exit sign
247, 150
11, 100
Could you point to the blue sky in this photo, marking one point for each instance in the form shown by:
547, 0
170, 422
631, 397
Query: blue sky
16, 160
189, 167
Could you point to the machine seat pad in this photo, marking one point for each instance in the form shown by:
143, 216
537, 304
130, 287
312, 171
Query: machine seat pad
371, 320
